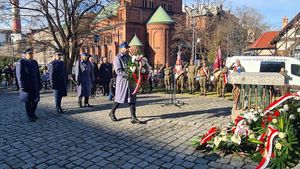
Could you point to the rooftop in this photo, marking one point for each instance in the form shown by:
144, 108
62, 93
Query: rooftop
264, 41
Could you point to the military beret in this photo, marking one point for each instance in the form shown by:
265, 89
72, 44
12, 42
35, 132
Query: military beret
124, 45
29, 50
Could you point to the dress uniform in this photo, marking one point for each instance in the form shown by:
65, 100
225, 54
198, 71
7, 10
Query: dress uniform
178, 69
84, 76
167, 78
191, 73
222, 81
29, 79
203, 73
58, 79
124, 89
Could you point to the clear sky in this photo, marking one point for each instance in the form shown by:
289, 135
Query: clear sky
273, 10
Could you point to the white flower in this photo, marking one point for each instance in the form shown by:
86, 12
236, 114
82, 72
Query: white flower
259, 110
217, 140
224, 138
292, 116
251, 110
282, 135
254, 119
143, 70
286, 107
278, 146
133, 69
255, 112
251, 136
281, 110
236, 139
298, 110
133, 59
139, 57
261, 114
297, 98
274, 121
223, 133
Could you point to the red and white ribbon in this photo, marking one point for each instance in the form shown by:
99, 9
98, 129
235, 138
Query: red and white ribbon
272, 133
208, 136
280, 101
139, 80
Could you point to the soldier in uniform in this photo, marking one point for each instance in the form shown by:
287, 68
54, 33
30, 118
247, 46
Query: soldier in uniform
84, 76
58, 79
203, 73
167, 78
222, 80
29, 79
124, 89
191, 73
179, 71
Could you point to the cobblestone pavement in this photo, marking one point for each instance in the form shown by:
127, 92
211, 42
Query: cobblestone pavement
86, 138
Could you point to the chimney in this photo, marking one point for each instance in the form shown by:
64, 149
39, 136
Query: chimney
16, 21
285, 21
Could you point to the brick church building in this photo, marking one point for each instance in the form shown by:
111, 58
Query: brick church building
147, 24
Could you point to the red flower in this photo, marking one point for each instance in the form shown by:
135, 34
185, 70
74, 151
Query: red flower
269, 118
239, 118
263, 125
273, 155
276, 113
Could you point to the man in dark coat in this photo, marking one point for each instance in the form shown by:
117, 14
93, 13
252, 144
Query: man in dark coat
29, 80
58, 79
95, 70
124, 89
84, 76
106, 75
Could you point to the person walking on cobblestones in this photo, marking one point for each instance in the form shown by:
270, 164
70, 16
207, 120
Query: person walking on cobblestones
123, 88
58, 79
29, 79
84, 76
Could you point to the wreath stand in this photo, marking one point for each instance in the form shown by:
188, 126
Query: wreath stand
173, 100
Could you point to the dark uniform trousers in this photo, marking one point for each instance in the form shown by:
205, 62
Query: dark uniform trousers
31, 108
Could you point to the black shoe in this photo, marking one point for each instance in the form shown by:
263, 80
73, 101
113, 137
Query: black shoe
87, 105
32, 119
59, 110
80, 104
190, 92
112, 117
219, 96
136, 121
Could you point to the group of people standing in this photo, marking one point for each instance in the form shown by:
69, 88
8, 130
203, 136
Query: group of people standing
193, 74
87, 75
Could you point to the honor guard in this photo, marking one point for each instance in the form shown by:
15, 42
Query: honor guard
191, 73
167, 78
58, 79
222, 80
203, 73
29, 79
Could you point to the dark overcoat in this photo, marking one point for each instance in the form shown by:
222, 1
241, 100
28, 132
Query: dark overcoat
124, 89
106, 72
84, 76
29, 79
58, 78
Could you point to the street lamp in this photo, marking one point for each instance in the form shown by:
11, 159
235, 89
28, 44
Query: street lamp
190, 11
198, 42
11, 38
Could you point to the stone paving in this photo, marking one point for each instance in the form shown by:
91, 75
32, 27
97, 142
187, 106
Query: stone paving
86, 138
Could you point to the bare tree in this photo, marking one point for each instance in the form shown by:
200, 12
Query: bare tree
67, 21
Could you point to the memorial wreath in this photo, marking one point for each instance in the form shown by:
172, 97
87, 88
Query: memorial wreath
269, 135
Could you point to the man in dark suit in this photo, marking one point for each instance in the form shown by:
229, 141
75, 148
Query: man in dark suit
106, 75
95, 82
58, 79
29, 80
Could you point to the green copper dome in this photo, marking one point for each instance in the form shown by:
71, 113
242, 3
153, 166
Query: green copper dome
160, 16
135, 41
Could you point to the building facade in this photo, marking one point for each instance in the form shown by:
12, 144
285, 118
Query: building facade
150, 20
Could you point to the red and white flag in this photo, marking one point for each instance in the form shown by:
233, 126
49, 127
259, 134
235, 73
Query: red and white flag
218, 59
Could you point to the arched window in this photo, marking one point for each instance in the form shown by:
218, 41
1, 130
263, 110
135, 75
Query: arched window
151, 4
